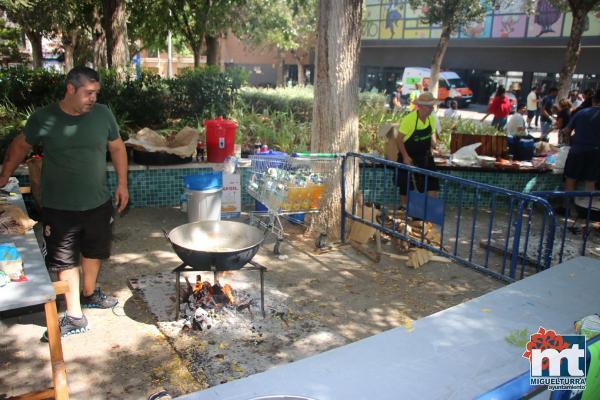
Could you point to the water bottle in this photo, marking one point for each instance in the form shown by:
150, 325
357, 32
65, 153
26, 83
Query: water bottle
183, 203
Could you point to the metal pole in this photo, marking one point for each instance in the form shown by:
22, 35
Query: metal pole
343, 200
170, 53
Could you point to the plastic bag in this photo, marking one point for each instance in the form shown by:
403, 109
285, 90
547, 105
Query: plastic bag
466, 154
11, 263
561, 158
230, 165
588, 326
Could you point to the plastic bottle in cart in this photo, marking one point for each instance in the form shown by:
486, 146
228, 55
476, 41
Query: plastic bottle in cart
257, 146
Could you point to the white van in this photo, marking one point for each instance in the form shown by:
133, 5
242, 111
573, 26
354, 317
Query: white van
451, 86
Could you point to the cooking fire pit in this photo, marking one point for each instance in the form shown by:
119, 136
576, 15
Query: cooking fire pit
216, 246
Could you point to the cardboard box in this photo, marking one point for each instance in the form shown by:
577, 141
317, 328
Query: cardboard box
231, 200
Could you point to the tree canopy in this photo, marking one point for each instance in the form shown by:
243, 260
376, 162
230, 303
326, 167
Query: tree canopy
450, 14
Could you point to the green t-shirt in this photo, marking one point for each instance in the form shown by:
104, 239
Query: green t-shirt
74, 167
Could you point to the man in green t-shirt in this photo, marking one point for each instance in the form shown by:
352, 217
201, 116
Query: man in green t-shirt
76, 204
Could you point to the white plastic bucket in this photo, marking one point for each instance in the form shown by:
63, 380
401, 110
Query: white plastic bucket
204, 205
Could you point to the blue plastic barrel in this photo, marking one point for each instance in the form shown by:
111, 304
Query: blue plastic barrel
525, 149
205, 181
512, 145
260, 207
297, 219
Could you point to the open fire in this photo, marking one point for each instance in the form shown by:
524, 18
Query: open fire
204, 303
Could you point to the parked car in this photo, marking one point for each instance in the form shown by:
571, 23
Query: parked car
451, 86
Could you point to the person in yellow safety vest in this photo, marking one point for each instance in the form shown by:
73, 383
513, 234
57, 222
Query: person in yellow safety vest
414, 95
416, 139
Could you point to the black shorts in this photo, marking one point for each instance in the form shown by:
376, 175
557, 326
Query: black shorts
530, 114
69, 234
583, 166
402, 179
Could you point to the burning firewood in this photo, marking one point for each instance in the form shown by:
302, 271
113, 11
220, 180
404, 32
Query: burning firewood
204, 303
228, 292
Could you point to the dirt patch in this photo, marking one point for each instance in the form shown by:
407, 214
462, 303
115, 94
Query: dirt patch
237, 343
314, 302
340, 297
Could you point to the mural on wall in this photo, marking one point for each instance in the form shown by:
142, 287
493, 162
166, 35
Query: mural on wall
370, 25
546, 22
396, 20
592, 24
414, 27
477, 30
393, 14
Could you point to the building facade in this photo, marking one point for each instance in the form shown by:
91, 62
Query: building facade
508, 46
263, 63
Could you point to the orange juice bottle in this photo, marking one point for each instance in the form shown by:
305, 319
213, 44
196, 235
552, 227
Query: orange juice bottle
316, 195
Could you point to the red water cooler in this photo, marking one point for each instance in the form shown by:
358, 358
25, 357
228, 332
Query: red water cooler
220, 139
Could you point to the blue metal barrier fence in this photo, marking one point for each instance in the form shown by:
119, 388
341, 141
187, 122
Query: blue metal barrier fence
484, 236
578, 212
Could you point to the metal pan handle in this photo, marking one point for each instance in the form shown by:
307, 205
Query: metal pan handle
166, 235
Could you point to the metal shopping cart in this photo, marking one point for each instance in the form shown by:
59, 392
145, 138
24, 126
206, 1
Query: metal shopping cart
287, 186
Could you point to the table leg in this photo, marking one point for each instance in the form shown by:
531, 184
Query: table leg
177, 295
59, 375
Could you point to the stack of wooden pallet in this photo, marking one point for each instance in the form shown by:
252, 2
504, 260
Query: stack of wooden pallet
420, 231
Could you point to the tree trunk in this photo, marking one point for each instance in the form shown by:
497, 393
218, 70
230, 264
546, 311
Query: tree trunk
37, 56
115, 26
573, 51
279, 70
438, 57
300, 73
99, 40
335, 112
197, 55
69, 41
212, 50
107, 12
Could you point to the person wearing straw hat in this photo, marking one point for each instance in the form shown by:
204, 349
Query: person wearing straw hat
416, 138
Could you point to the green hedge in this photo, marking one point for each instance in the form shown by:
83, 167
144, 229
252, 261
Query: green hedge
26, 88
295, 100
282, 117
149, 101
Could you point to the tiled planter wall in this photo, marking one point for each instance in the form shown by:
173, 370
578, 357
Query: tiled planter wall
378, 186
162, 187
159, 187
